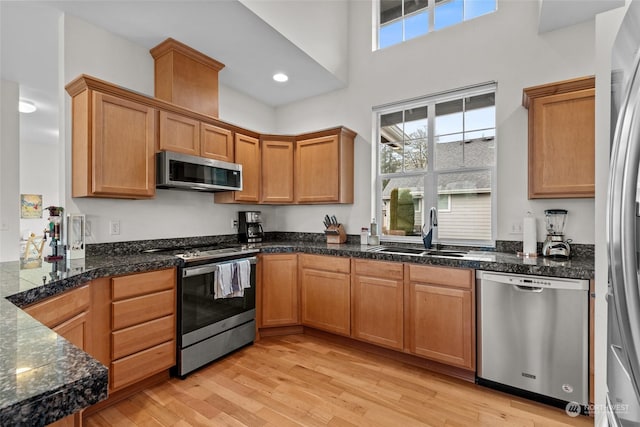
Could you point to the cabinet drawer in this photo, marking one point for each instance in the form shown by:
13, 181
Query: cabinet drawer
141, 309
382, 269
60, 308
456, 277
143, 283
326, 263
142, 365
139, 337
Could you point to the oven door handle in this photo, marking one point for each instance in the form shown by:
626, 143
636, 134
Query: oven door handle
198, 271
211, 268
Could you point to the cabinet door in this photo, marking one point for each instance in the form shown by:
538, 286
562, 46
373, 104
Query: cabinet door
180, 134
279, 290
247, 153
317, 170
561, 139
440, 324
216, 143
277, 171
378, 300
326, 300
123, 148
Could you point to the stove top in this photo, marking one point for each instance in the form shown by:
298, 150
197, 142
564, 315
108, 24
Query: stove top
192, 254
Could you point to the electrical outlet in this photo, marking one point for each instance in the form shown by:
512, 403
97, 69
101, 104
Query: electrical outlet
114, 227
234, 224
516, 227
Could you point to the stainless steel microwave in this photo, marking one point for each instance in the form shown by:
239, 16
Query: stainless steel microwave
184, 172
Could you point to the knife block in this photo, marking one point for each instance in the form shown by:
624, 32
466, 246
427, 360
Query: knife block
335, 234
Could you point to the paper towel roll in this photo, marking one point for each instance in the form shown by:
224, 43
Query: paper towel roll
529, 243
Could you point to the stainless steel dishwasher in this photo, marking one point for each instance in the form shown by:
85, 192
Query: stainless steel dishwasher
533, 336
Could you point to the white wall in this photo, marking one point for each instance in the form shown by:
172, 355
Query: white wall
9, 173
91, 50
505, 47
39, 170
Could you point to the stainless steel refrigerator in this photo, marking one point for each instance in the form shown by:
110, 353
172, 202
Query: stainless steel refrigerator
623, 228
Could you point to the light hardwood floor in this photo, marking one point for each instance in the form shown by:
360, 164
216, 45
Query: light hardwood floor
299, 380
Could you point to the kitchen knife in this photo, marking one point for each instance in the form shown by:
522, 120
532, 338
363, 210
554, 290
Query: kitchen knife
334, 220
327, 221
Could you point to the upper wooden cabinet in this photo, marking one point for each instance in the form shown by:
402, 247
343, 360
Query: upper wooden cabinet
324, 167
190, 136
116, 133
561, 139
179, 133
277, 169
113, 152
216, 143
186, 77
247, 153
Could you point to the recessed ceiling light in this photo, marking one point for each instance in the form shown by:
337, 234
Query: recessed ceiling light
280, 77
25, 106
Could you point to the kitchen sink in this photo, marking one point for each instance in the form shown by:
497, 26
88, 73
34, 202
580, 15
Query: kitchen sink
399, 250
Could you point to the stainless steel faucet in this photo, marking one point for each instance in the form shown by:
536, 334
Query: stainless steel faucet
427, 237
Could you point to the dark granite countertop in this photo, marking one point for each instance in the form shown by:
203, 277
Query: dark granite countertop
63, 379
578, 267
43, 377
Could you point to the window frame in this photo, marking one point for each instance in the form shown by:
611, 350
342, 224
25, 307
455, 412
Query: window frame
430, 175
430, 9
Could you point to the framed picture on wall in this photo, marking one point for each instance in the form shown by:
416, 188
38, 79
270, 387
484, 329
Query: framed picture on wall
31, 206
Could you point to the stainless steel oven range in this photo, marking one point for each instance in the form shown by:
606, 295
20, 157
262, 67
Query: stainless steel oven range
212, 320
211, 325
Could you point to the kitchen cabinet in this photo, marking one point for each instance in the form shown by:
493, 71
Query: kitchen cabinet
324, 166
68, 314
179, 133
561, 139
279, 293
216, 143
325, 295
143, 331
190, 136
377, 309
113, 152
440, 314
277, 169
247, 153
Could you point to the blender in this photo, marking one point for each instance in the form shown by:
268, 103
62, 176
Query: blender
555, 245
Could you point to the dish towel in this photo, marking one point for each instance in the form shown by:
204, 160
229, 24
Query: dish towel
244, 275
224, 280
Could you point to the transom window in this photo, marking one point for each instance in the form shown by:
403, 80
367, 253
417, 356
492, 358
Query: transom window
438, 151
400, 20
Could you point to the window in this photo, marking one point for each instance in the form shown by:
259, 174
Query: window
438, 151
401, 20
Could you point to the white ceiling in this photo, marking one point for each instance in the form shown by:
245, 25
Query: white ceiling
555, 14
225, 30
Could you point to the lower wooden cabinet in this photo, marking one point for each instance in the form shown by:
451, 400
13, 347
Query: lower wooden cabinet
377, 303
68, 314
440, 314
325, 293
143, 326
279, 290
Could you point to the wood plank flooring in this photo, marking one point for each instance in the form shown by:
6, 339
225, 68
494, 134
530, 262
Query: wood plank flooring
299, 380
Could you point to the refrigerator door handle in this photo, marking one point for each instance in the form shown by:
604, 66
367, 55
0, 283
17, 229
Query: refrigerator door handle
621, 224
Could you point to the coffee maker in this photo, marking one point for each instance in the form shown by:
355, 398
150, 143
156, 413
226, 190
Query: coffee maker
555, 245
250, 227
